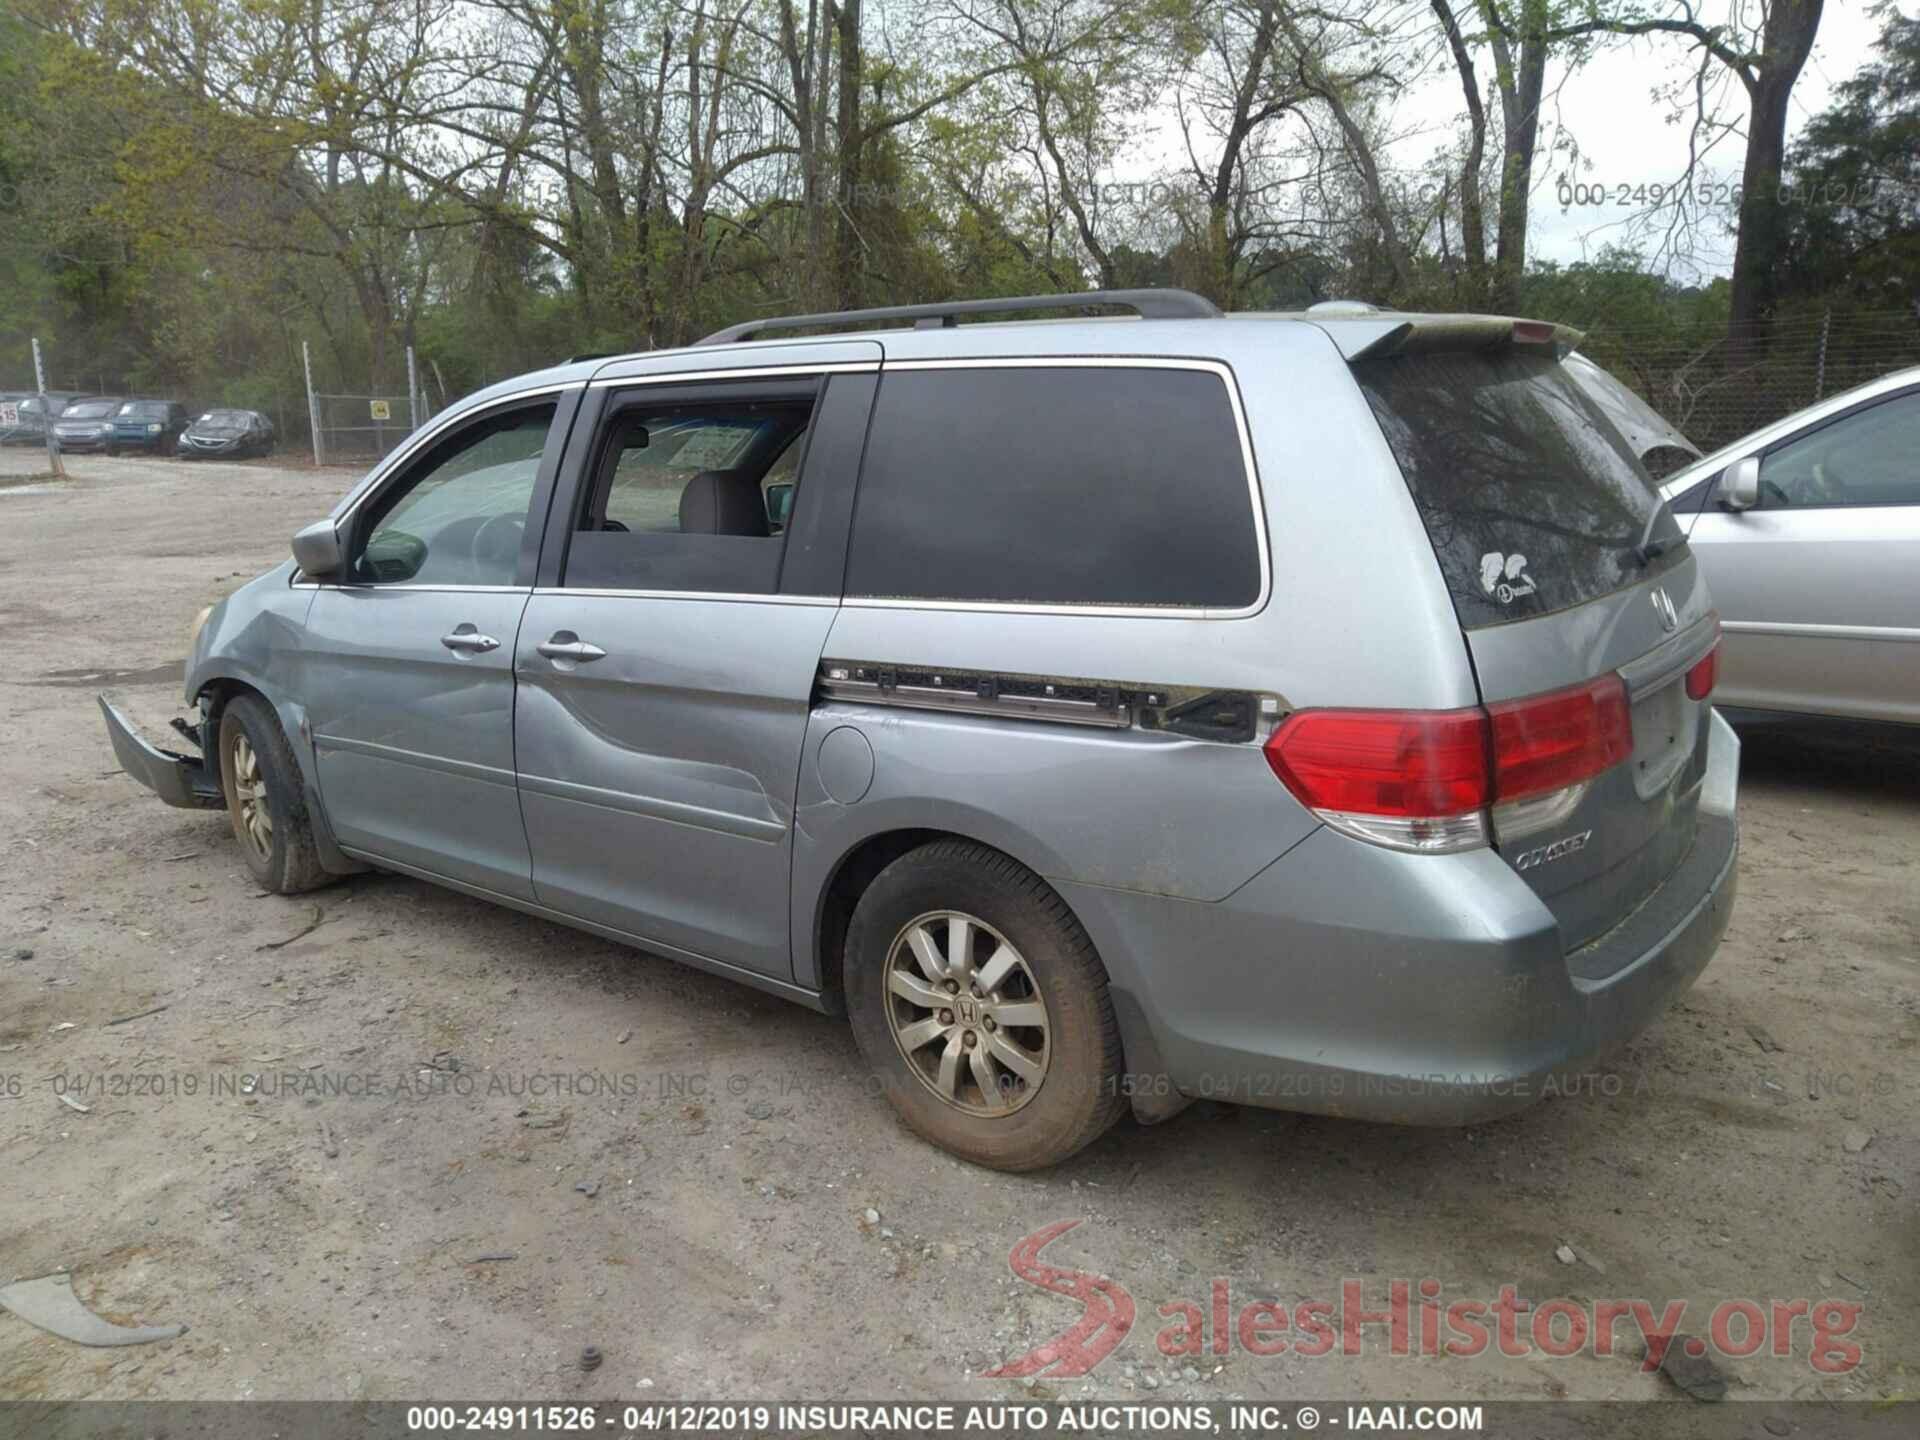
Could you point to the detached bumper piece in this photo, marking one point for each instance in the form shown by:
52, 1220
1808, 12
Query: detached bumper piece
181, 780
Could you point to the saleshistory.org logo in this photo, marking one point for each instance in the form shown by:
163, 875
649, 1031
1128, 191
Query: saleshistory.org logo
1107, 1311
1426, 1326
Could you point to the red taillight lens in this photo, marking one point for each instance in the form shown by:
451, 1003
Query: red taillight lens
1548, 742
1705, 672
1434, 763
1384, 762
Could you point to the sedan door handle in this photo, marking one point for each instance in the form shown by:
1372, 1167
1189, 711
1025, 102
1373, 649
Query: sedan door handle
467, 638
565, 645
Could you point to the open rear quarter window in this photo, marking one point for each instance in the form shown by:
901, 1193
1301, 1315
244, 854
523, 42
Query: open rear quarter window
1530, 496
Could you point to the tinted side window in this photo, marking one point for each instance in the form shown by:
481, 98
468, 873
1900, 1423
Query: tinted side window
1872, 457
1106, 485
457, 516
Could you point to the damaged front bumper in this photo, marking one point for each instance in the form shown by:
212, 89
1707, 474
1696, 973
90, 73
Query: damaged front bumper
182, 780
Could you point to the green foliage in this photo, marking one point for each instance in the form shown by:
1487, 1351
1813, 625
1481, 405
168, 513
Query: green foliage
1853, 191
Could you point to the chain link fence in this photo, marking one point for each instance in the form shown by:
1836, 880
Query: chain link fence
362, 428
1717, 390
355, 429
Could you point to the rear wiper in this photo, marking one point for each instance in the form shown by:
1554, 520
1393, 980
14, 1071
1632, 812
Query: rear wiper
1648, 549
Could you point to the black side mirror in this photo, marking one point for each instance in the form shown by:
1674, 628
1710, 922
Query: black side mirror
393, 556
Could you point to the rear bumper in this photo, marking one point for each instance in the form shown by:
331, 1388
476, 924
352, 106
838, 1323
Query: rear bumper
180, 780
1354, 981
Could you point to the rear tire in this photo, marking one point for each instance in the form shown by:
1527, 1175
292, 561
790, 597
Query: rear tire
1015, 1072
266, 800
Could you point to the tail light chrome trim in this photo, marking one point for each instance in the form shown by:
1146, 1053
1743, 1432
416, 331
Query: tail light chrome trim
1418, 835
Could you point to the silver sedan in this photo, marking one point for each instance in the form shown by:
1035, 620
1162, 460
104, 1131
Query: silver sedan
1809, 533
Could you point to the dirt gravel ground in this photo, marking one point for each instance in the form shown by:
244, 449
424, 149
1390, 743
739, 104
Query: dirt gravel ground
1759, 1142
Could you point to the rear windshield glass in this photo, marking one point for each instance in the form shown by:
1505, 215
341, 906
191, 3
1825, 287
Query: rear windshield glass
1531, 498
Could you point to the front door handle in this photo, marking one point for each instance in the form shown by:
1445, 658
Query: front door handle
466, 637
565, 645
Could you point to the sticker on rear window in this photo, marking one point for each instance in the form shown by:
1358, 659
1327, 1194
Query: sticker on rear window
1505, 576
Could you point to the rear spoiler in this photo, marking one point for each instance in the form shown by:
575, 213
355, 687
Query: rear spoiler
1370, 337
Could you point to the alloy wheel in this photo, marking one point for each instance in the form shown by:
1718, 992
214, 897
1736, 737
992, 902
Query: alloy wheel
966, 1013
250, 798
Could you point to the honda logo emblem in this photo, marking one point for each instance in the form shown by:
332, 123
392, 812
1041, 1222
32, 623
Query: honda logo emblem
1663, 607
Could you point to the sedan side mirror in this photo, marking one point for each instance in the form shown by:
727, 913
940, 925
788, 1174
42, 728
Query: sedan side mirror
316, 550
1740, 486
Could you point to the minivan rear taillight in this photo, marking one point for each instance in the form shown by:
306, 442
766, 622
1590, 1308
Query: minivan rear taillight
1548, 742
1425, 780
1704, 674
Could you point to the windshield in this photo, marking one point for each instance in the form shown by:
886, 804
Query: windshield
1531, 498
90, 410
225, 419
145, 409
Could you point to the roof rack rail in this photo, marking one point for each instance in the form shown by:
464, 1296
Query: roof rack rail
1156, 304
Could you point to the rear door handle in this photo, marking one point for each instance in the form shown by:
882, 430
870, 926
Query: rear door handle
565, 645
466, 637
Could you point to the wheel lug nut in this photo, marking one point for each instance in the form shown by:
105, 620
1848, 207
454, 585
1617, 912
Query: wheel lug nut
946, 1017
988, 1023
971, 1040
953, 987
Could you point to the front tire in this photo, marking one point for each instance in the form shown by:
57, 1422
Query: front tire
982, 1008
265, 799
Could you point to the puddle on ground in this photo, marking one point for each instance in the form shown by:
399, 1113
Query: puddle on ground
88, 679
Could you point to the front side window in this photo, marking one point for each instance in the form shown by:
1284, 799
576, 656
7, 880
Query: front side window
1043, 485
1871, 457
457, 516
691, 495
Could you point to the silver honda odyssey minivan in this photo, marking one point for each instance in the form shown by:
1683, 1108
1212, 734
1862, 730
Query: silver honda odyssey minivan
1303, 710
